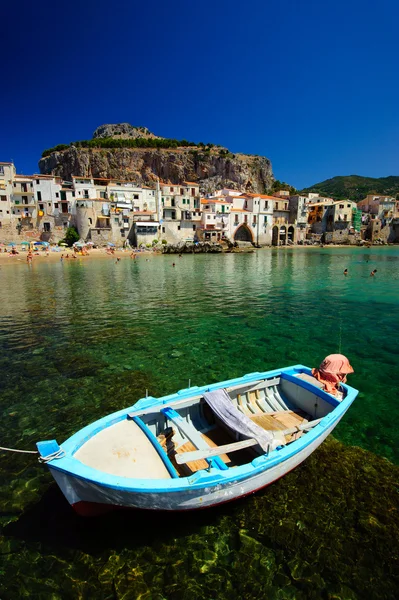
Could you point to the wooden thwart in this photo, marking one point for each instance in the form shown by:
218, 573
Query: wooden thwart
226, 449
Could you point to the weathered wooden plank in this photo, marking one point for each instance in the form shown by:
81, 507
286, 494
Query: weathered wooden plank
217, 451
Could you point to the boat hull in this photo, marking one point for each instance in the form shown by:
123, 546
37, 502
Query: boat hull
91, 498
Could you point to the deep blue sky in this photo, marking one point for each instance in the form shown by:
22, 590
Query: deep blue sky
311, 85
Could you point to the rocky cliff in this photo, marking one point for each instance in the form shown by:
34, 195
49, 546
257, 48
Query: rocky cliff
211, 167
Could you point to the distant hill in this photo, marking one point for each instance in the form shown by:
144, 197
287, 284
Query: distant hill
356, 187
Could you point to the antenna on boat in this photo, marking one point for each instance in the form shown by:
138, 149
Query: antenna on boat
189, 383
340, 336
146, 393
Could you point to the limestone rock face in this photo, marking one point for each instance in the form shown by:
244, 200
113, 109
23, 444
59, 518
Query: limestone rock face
144, 165
122, 131
212, 167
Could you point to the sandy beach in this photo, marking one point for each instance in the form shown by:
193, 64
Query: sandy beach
44, 257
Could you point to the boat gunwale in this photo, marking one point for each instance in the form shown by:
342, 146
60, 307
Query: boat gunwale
203, 478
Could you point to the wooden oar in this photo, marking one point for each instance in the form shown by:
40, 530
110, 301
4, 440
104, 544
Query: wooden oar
186, 457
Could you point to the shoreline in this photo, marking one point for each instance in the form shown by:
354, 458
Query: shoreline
97, 253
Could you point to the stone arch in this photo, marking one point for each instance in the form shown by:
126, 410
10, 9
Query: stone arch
243, 234
291, 234
283, 235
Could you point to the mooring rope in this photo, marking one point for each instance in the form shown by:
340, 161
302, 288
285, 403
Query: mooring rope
43, 459
58, 454
21, 451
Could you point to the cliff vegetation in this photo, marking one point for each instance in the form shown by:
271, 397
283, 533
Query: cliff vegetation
124, 152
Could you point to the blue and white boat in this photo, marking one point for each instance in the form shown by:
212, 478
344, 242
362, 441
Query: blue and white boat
199, 447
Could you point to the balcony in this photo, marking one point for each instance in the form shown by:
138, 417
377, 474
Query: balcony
16, 192
221, 224
20, 204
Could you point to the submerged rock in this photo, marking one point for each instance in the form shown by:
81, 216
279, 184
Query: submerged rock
328, 529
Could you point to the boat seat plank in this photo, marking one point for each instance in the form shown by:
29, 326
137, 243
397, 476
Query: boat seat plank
193, 435
310, 379
195, 465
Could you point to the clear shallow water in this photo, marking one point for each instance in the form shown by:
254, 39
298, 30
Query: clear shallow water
84, 338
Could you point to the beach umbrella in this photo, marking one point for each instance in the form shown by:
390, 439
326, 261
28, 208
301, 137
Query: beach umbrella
25, 243
112, 245
11, 244
63, 244
90, 244
40, 243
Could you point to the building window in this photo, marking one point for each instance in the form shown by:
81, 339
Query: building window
193, 227
163, 229
265, 220
3, 198
73, 194
46, 227
1, 170
171, 189
55, 204
90, 221
135, 197
341, 206
37, 182
116, 220
41, 206
178, 227
39, 196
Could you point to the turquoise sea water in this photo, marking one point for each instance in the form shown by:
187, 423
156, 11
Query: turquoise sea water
83, 338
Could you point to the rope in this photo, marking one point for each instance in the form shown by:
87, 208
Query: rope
43, 459
58, 454
21, 451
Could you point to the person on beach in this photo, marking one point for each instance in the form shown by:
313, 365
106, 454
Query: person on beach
29, 257
346, 272
373, 273
332, 372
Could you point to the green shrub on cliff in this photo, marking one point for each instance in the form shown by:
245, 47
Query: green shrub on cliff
122, 143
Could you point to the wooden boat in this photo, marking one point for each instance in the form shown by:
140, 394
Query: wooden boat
199, 447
